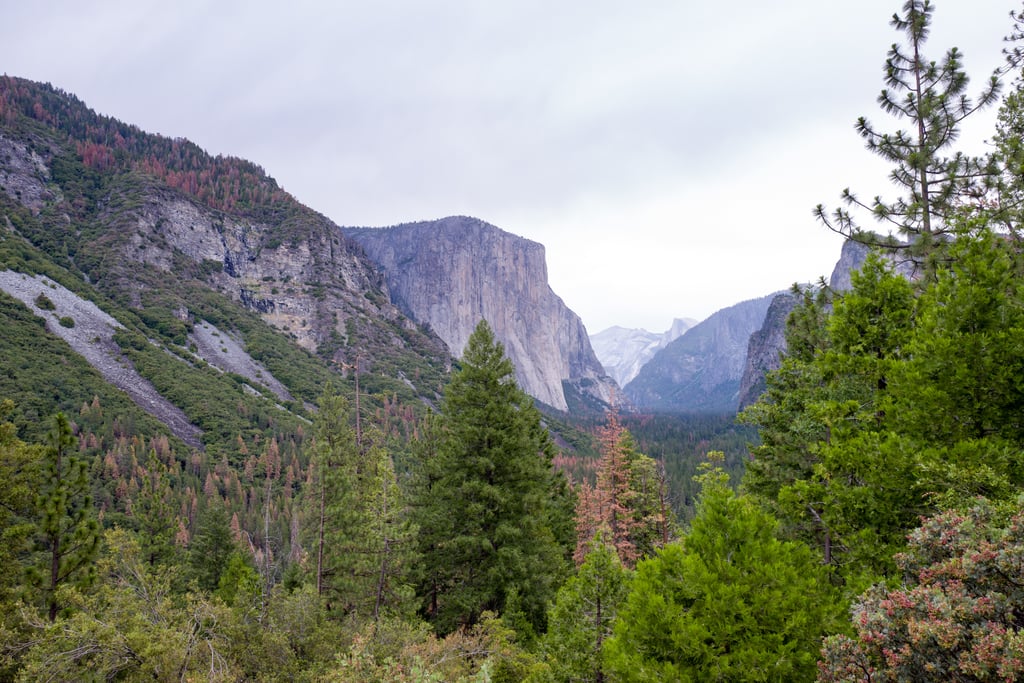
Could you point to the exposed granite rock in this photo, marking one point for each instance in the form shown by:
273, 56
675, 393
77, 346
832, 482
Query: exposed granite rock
224, 352
766, 348
24, 175
623, 351
300, 274
451, 273
701, 370
852, 257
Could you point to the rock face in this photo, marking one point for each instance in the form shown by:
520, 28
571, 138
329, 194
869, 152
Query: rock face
701, 370
451, 273
623, 351
242, 258
766, 348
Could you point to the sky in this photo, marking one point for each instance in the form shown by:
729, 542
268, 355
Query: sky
667, 153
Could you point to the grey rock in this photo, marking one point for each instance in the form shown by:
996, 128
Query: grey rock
451, 273
766, 348
701, 370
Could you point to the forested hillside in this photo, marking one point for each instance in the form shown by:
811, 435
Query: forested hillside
354, 505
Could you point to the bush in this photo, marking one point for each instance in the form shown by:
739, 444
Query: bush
67, 321
43, 302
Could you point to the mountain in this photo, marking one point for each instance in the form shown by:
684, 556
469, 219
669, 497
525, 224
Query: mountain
447, 274
623, 351
701, 370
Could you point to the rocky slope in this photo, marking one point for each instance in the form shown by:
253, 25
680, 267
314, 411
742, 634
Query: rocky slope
623, 351
155, 224
701, 370
449, 274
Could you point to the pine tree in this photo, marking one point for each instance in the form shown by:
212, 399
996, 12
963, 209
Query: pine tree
364, 539
730, 602
153, 511
67, 532
583, 614
19, 481
487, 506
931, 97
211, 546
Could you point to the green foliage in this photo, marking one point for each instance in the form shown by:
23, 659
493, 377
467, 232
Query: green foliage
730, 602
362, 539
582, 616
492, 463
66, 530
932, 97
901, 405
44, 303
957, 614
19, 481
211, 547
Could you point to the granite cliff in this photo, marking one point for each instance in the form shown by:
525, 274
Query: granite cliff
766, 348
449, 274
701, 370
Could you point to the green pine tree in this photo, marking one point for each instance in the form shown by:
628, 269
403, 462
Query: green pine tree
932, 97
487, 498
583, 614
67, 531
730, 602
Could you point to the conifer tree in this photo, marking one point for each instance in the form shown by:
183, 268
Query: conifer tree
730, 602
583, 615
625, 500
364, 540
211, 547
932, 97
67, 532
153, 512
488, 501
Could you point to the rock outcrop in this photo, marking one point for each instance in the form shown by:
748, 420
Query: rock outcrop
450, 273
701, 370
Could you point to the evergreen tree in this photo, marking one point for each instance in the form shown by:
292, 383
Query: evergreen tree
730, 602
627, 501
364, 539
67, 532
152, 511
583, 614
19, 481
829, 464
485, 501
211, 546
931, 97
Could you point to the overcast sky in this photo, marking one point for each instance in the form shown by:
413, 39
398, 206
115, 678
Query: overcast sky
668, 153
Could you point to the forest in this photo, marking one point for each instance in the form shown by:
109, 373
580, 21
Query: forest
863, 521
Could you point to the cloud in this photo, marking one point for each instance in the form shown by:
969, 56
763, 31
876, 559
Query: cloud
668, 153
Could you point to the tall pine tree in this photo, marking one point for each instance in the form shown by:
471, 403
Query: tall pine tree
486, 497
932, 97
67, 532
